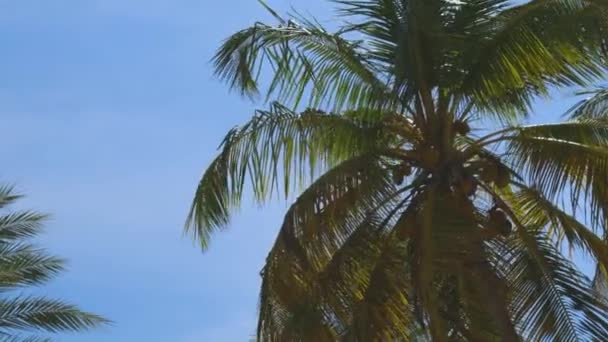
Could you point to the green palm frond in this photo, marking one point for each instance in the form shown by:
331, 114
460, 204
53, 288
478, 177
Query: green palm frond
570, 157
22, 264
271, 151
290, 286
338, 202
328, 225
552, 299
385, 311
333, 206
8, 195
344, 280
384, 25
538, 211
348, 293
302, 55
20, 224
23, 338
589, 131
594, 106
529, 51
37, 313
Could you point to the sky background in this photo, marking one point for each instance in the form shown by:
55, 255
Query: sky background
109, 113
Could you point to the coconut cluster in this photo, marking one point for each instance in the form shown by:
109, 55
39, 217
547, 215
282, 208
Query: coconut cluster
461, 173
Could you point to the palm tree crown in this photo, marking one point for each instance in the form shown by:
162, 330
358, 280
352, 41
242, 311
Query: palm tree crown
23, 265
414, 219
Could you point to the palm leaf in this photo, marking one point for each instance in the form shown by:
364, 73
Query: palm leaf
553, 300
20, 224
22, 338
529, 51
594, 106
538, 211
8, 195
302, 55
23, 265
327, 221
37, 313
566, 157
277, 143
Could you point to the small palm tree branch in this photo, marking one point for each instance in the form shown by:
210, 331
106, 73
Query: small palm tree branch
23, 265
590, 131
20, 224
276, 142
494, 134
316, 228
326, 213
324, 266
22, 313
594, 106
552, 299
563, 293
385, 310
527, 51
301, 55
343, 281
406, 41
289, 305
23, 338
556, 165
8, 195
537, 211
342, 289
600, 281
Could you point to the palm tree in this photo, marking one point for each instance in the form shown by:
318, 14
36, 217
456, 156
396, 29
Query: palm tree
24, 265
413, 217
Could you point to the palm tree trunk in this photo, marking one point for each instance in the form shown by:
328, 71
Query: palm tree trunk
494, 293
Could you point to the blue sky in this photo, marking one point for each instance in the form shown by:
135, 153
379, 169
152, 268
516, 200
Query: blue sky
110, 112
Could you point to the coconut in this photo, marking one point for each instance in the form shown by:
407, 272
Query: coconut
468, 185
488, 234
398, 176
505, 228
503, 178
462, 127
400, 172
498, 221
489, 172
